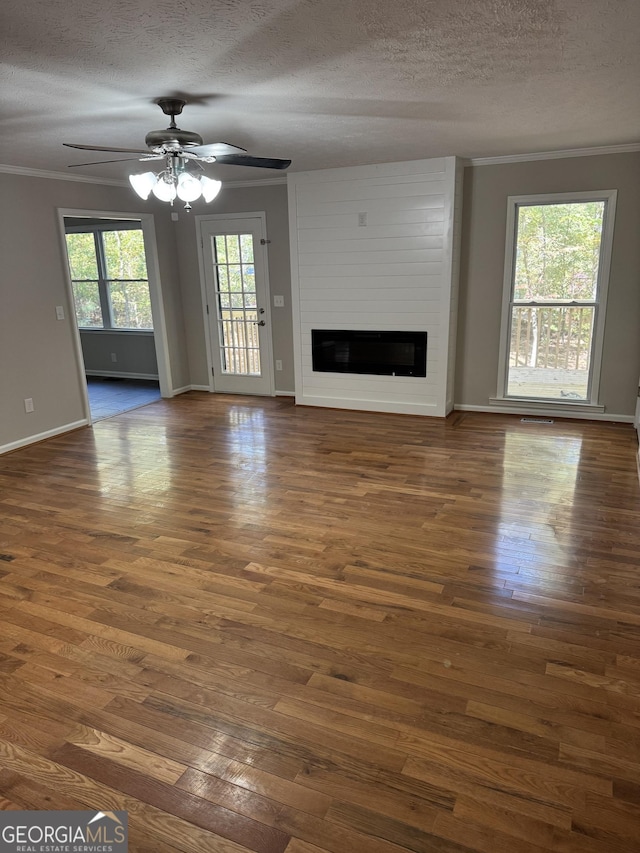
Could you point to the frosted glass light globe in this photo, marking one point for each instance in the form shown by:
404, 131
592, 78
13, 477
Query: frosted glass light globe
210, 188
189, 188
143, 183
165, 189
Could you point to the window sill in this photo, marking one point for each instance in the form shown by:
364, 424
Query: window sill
558, 407
93, 331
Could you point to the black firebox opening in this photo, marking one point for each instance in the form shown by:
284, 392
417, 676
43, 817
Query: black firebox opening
377, 353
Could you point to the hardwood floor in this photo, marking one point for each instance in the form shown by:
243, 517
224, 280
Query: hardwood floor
265, 628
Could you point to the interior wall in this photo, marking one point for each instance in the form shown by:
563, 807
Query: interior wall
486, 189
37, 351
135, 353
272, 199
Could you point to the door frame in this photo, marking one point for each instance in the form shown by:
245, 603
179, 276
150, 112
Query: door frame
161, 340
262, 248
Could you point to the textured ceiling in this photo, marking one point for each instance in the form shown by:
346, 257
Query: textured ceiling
324, 82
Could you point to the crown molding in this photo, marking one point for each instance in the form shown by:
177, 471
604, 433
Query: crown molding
282, 179
60, 176
555, 155
267, 182
114, 182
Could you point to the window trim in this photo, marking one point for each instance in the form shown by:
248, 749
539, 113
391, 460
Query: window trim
609, 197
104, 283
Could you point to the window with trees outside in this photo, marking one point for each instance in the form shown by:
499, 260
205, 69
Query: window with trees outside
556, 277
109, 275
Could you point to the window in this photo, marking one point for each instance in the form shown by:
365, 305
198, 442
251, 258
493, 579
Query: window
237, 304
109, 275
556, 276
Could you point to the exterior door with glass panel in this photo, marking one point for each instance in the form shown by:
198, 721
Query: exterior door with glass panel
238, 305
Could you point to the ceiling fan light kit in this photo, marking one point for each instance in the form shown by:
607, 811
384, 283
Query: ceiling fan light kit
172, 183
180, 148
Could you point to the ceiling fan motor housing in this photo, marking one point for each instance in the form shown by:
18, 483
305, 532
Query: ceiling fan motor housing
184, 138
173, 136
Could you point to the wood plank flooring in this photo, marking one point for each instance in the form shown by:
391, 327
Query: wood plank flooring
265, 628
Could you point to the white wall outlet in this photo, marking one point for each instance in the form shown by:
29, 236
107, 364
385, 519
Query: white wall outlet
59, 312
362, 219
28, 404
278, 301
114, 357
278, 364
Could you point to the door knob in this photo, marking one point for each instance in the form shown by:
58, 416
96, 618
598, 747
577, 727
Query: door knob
261, 323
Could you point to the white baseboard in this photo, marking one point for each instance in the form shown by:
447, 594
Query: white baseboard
530, 411
34, 439
111, 374
384, 406
186, 388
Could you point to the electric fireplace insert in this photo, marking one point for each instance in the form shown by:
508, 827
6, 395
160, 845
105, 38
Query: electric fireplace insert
377, 353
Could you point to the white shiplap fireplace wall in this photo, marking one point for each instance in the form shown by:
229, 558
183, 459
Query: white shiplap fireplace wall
376, 248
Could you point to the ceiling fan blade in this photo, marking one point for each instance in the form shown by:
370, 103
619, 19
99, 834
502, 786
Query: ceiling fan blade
102, 148
247, 160
215, 149
100, 162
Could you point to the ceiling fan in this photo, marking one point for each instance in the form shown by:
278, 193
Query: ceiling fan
184, 144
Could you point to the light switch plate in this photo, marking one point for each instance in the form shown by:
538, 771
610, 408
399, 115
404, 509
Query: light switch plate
278, 301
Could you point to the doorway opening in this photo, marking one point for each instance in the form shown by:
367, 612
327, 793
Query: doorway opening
115, 299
